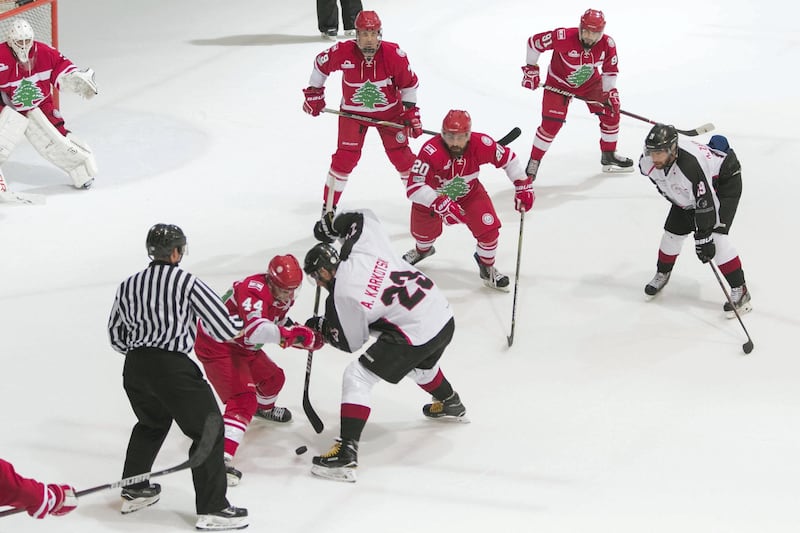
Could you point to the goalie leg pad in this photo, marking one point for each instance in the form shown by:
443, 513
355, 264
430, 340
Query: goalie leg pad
69, 153
12, 128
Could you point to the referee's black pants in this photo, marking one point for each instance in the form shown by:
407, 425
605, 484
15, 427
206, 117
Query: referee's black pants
162, 386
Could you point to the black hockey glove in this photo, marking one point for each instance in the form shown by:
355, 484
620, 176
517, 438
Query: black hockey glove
704, 246
323, 229
320, 325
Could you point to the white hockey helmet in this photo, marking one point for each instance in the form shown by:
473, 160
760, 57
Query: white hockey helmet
20, 38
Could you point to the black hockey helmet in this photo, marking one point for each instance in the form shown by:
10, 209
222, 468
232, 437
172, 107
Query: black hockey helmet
661, 137
321, 256
163, 238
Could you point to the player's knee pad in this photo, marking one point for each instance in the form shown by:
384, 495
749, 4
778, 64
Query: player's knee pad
671, 243
344, 161
12, 129
272, 385
725, 250
357, 383
488, 239
402, 158
241, 407
69, 153
423, 376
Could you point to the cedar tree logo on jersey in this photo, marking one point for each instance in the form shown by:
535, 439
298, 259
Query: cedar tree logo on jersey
580, 75
26, 94
369, 95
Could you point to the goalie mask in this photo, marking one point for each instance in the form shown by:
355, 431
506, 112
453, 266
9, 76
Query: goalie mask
284, 277
20, 39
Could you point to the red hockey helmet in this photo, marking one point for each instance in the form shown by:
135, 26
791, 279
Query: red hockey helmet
284, 276
593, 20
368, 20
457, 121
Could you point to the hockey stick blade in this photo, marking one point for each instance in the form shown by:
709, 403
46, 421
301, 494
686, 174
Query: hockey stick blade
510, 137
211, 430
11, 197
705, 128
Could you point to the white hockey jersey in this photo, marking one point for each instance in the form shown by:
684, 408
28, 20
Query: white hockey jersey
376, 292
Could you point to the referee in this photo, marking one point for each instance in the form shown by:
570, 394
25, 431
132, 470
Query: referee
153, 323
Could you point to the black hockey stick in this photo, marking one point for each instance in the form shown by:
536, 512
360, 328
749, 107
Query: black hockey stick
510, 338
308, 409
507, 138
748, 346
211, 430
705, 128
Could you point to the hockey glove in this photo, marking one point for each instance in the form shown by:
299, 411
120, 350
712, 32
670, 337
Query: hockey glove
410, 118
58, 500
323, 229
704, 246
524, 197
315, 100
300, 337
450, 211
320, 326
612, 101
80, 82
530, 77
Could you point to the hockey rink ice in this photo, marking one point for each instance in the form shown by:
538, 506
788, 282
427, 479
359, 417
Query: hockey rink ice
609, 413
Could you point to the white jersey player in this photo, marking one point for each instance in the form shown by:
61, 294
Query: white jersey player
373, 291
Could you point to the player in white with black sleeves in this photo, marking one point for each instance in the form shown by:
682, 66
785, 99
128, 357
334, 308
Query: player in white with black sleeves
153, 322
704, 185
372, 290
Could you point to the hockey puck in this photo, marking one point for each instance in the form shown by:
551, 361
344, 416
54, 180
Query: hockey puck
301, 450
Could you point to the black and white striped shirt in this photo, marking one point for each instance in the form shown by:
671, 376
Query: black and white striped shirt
159, 308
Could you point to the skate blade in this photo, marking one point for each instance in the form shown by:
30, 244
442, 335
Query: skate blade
129, 507
491, 285
347, 475
613, 169
746, 308
447, 419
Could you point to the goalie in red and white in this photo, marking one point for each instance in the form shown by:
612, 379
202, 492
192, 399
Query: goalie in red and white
246, 380
29, 70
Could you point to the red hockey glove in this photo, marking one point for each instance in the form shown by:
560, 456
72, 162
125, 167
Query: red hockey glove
411, 119
450, 211
315, 100
530, 77
612, 101
298, 337
58, 500
524, 197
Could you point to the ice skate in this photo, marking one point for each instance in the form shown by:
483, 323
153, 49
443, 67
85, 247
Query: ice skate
492, 277
339, 463
451, 408
612, 163
135, 499
658, 282
414, 256
532, 168
224, 520
740, 297
329, 34
276, 414
233, 475
349, 33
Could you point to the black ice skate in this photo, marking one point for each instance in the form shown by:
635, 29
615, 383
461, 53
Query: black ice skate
740, 297
414, 256
492, 277
532, 168
224, 520
234, 476
340, 463
612, 163
451, 408
276, 414
658, 282
136, 499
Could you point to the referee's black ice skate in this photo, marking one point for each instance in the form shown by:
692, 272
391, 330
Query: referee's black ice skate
492, 277
225, 520
740, 297
135, 499
451, 408
339, 463
658, 282
612, 163
414, 256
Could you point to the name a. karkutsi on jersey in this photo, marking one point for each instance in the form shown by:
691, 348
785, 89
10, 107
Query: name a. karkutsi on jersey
375, 282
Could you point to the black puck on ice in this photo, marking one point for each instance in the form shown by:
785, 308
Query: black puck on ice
301, 450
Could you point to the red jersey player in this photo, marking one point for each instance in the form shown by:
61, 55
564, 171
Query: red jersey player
584, 63
377, 82
246, 380
29, 70
444, 186
37, 498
